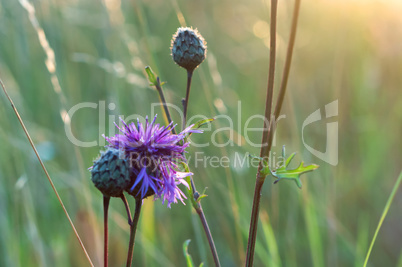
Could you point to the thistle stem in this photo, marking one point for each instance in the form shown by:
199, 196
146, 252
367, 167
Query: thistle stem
185, 102
268, 137
288, 60
106, 201
211, 243
163, 101
264, 142
269, 120
254, 220
127, 209
196, 205
133, 230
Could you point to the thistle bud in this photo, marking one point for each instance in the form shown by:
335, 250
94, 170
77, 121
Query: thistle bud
188, 48
110, 173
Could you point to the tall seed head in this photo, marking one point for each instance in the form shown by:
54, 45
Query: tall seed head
110, 173
188, 48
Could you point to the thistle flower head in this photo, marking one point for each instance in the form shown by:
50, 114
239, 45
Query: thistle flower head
110, 173
188, 48
154, 152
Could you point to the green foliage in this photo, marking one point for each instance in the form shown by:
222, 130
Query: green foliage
192, 195
283, 172
152, 78
189, 259
294, 174
200, 123
101, 51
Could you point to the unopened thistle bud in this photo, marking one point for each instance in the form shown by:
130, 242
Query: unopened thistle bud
188, 48
110, 173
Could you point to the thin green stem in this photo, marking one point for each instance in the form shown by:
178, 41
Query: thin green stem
254, 220
384, 213
163, 101
264, 142
127, 208
196, 204
133, 230
288, 60
211, 243
106, 201
46, 172
271, 77
185, 102
272, 125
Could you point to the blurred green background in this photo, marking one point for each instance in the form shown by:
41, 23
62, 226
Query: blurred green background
55, 54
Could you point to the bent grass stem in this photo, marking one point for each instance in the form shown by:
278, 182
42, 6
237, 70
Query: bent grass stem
383, 215
46, 172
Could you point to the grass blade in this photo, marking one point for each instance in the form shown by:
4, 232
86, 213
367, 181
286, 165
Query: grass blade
46, 172
384, 213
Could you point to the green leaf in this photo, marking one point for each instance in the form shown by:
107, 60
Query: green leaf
200, 123
265, 169
189, 260
201, 197
284, 173
151, 76
190, 191
198, 197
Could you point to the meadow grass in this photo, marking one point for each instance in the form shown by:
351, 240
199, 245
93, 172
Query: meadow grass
345, 50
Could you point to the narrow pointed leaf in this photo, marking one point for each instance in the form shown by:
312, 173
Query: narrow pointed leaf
201, 197
151, 76
200, 123
188, 257
287, 162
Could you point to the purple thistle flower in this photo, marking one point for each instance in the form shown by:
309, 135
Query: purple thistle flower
154, 152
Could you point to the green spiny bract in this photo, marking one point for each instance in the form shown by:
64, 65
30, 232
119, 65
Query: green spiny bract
110, 173
188, 48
